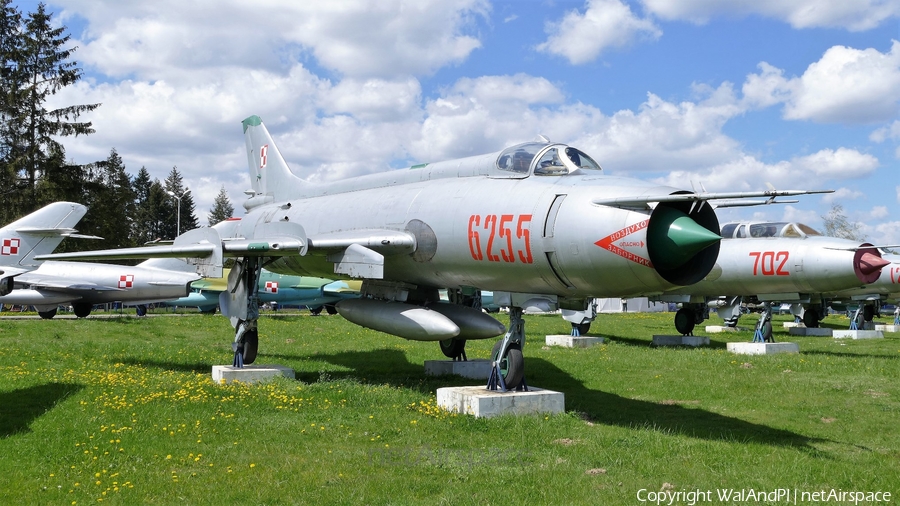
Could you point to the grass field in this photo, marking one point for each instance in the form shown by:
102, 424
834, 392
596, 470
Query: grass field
124, 411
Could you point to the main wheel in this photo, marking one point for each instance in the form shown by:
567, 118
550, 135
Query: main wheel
512, 366
811, 318
249, 346
583, 328
47, 314
452, 348
684, 321
141, 310
316, 311
330, 309
868, 313
767, 332
82, 309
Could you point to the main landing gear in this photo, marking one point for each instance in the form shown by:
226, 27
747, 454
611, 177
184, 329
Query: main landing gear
244, 285
508, 363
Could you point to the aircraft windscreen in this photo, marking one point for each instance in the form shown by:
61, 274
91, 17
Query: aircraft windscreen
728, 230
560, 160
765, 229
807, 229
581, 160
518, 158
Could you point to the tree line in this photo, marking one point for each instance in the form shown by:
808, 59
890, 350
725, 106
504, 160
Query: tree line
125, 210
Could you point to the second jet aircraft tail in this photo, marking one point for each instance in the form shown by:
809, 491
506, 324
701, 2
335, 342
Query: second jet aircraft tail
270, 175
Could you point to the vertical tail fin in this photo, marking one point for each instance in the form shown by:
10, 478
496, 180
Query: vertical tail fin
270, 175
39, 233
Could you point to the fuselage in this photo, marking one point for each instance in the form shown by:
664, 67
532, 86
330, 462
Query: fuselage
476, 225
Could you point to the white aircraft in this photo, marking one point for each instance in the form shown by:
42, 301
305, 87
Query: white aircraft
538, 224
37, 233
46, 285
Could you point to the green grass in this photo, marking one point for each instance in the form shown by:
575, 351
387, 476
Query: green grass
124, 411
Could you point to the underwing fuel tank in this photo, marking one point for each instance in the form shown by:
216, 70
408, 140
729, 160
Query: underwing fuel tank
435, 322
398, 318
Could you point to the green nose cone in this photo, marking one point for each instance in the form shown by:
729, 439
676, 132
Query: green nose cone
674, 238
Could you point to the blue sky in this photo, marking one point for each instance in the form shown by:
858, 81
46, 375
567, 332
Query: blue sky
803, 94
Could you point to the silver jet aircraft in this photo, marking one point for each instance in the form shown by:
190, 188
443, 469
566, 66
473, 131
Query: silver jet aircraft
84, 285
777, 261
537, 221
37, 233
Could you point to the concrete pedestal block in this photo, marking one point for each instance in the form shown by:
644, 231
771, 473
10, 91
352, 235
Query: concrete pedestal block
659, 340
474, 369
806, 331
763, 348
572, 341
250, 373
483, 403
888, 328
790, 325
716, 329
858, 334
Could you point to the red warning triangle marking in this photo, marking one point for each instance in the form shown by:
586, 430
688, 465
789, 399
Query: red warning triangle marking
607, 243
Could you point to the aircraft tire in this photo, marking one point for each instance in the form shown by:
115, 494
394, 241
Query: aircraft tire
868, 313
512, 366
141, 310
330, 309
452, 348
583, 328
684, 321
811, 318
82, 309
250, 346
46, 315
767, 332
316, 311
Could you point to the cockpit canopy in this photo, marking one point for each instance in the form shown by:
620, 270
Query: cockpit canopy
543, 159
767, 229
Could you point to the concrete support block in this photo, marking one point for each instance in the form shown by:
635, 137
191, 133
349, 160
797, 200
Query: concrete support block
660, 340
572, 341
474, 369
716, 329
790, 325
763, 348
858, 334
888, 328
806, 331
483, 403
250, 373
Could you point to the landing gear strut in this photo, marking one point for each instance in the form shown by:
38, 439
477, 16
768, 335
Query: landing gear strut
508, 366
246, 336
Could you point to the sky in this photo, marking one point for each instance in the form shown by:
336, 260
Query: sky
705, 94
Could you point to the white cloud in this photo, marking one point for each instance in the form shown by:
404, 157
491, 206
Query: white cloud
582, 37
891, 131
845, 86
352, 37
879, 212
664, 136
854, 16
842, 195
374, 99
837, 164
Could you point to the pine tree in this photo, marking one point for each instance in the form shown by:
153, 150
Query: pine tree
222, 208
176, 190
111, 204
141, 220
10, 79
45, 68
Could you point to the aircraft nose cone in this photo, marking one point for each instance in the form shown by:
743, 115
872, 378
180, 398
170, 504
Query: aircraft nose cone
870, 263
676, 238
